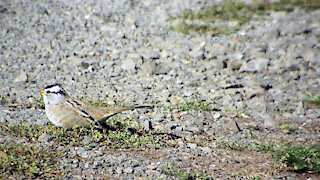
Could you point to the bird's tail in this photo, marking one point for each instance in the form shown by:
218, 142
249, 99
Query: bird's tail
102, 121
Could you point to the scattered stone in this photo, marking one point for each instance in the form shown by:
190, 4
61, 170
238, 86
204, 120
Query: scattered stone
216, 116
86, 140
129, 65
45, 138
128, 170
300, 109
233, 125
153, 68
192, 146
22, 77
269, 121
255, 66
147, 125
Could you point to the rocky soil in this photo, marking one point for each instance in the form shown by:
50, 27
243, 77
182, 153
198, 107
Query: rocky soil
124, 52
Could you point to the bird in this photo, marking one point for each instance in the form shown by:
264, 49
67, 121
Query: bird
64, 111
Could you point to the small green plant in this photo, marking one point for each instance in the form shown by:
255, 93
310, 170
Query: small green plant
286, 110
235, 11
193, 84
315, 100
237, 111
289, 5
288, 127
121, 134
255, 146
251, 135
232, 145
265, 147
187, 106
26, 161
244, 175
172, 170
197, 105
227, 11
299, 158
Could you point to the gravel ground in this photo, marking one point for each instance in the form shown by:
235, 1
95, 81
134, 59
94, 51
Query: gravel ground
124, 52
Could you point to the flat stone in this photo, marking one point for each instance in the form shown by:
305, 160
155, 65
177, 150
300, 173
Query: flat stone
216, 116
128, 170
192, 146
129, 65
45, 138
22, 77
300, 109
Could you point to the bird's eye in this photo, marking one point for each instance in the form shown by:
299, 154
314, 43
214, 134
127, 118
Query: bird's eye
47, 92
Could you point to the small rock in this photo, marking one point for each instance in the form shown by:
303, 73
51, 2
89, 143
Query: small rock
128, 170
261, 64
197, 54
220, 64
216, 116
269, 121
300, 109
147, 125
22, 77
192, 129
187, 92
313, 113
257, 65
86, 140
115, 55
84, 65
118, 170
292, 27
135, 164
151, 68
129, 65
233, 125
181, 144
151, 54
292, 65
2, 102
234, 64
206, 149
45, 138
170, 126
192, 145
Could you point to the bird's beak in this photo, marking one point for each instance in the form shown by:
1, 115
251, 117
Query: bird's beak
42, 93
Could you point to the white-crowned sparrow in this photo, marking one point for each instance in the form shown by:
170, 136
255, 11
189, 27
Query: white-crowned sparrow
63, 111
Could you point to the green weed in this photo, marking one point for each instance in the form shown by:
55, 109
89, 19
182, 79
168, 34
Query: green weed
299, 157
187, 106
315, 100
27, 161
172, 170
234, 11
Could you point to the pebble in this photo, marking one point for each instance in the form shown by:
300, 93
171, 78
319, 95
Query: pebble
22, 77
192, 146
45, 138
300, 109
216, 116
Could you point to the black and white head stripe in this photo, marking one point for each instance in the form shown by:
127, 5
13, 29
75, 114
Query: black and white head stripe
55, 88
52, 85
